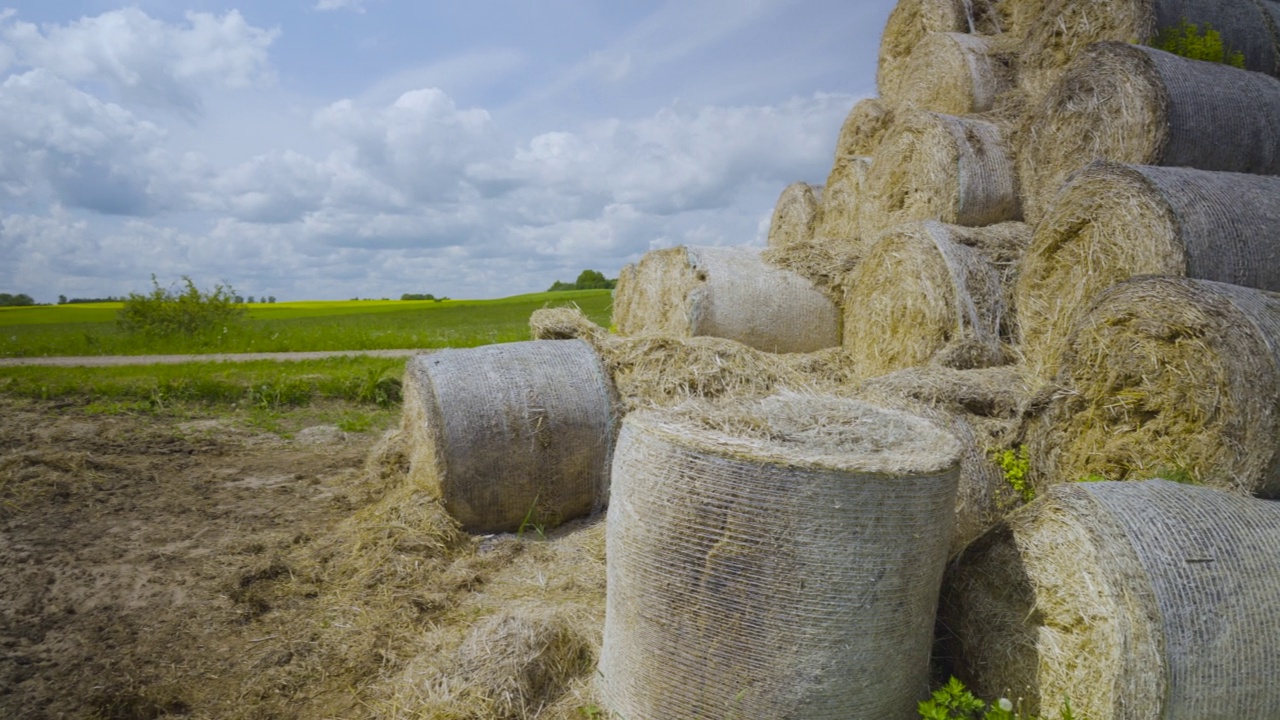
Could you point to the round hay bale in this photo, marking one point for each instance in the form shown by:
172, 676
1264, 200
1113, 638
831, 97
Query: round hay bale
727, 292
839, 214
932, 292
982, 410
911, 21
504, 434
1168, 376
1132, 600
863, 128
756, 562
1112, 222
940, 167
795, 214
1138, 105
1065, 28
952, 73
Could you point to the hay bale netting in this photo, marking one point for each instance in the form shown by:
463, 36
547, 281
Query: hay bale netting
940, 167
1113, 221
982, 410
863, 128
1168, 376
953, 73
726, 292
757, 564
1138, 105
932, 292
1066, 27
911, 21
839, 214
1132, 600
795, 214
507, 433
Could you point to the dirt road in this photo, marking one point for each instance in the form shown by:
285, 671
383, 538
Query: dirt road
112, 360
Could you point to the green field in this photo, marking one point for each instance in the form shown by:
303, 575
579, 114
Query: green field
295, 326
265, 386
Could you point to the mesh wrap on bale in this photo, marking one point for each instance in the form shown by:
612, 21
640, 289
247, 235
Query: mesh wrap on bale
1138, 105
1133, 600
795, 215
506, 432
863, 128
911, 21
756, 562
940, 167
725, 292
1112, 222
982, 410
929, 291
1168, 375
952, 73
1066, 28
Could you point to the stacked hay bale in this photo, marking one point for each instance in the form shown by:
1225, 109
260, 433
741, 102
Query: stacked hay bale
1168, 375
1062, 29
1129, 600
954, 74
933, 292
725, 292
940, 167
1112, 222
756, 563
795, 215
505, 434
1133, 104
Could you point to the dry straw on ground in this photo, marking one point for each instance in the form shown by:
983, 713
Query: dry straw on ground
932, 292
940, 167
1168, 375
982, 409
1066, 27
795, 215
756, 563
863, 128
828, 263
1137, 105
838, 217
1130, 600
913, 20
725, 292
506, 434
651, 371
953, 73
1113, 221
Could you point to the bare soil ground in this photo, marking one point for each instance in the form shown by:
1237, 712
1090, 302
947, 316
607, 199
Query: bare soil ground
160, 566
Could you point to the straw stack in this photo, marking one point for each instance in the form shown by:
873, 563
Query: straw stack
795, 215
952, 73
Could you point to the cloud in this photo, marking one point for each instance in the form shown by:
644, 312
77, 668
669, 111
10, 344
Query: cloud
67, 146
353, 5
144, 59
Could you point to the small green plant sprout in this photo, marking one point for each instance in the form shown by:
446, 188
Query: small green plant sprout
1176, 473
952, 702
1185, 39
1093, 477
1016, 464
531, 522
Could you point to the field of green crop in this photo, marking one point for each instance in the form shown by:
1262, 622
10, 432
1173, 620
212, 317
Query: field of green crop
295, 326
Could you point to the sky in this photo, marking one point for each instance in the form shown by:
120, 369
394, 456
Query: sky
332, 149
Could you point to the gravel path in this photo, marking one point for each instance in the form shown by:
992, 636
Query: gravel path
111, 360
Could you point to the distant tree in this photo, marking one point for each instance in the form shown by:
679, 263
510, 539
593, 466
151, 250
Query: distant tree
19, 300
271, 298
239, 299
62, 299
250, 300
417, 296
587, 280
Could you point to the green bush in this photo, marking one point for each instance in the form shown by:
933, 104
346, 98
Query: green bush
19, 300
1186, 40
189, 311
587, 280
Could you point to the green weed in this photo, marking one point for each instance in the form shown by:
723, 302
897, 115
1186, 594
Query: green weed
953, 701
1185, 39
1016, 464
166, 312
